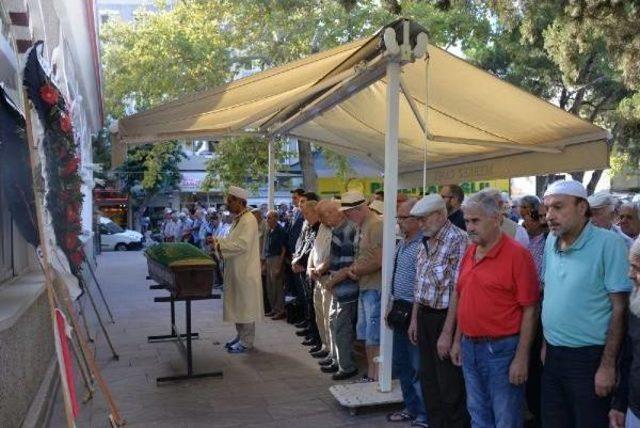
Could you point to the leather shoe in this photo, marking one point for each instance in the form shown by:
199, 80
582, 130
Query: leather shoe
344, 375
309, 342
333, 368
326, 362
302, 333
279, 316
315, 348
301, 324
320, 354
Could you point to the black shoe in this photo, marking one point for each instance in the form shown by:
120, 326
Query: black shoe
302, 324
320, 354
310, 342
344, 375
302, 333
326, 362
315, 349
333, 368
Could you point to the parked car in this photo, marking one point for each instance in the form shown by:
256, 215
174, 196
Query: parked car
113, 237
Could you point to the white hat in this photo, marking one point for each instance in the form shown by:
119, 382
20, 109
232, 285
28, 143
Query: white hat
427, 205
377, 206
238, 192
351, 200
600, 199
567, 187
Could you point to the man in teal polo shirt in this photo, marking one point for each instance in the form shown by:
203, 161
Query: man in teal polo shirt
585, 300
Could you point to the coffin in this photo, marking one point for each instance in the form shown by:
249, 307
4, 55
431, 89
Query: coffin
181, 268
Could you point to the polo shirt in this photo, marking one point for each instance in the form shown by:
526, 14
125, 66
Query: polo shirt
493, 291
577, 282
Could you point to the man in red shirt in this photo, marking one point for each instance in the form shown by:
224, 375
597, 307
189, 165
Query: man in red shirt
498, 296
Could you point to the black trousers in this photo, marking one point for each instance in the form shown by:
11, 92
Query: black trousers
442, 382
306, 287
534, 381
568, 388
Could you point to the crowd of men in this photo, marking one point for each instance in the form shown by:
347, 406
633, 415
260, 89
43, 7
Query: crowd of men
493, 309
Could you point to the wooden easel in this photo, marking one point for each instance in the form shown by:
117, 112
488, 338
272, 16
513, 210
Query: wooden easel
54, 301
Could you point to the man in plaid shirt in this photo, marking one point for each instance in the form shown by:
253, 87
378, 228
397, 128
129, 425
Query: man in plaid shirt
433, 320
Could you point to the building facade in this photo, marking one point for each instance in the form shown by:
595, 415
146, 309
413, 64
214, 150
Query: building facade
68, 30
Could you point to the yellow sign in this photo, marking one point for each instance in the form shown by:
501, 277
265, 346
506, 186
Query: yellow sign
331, 186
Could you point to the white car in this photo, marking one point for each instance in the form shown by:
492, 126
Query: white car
113, 237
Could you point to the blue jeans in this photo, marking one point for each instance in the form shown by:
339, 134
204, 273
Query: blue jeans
406, 367
492, 400
368, 324
632, 421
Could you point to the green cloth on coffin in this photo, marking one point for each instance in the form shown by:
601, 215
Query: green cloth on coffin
178, 254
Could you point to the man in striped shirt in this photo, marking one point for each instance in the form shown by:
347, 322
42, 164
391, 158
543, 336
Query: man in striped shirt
433, 320
406, 355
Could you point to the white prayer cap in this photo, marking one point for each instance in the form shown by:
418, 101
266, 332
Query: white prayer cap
351, 199
427, 205
567, 187
377, 206
600, 199
238, 192
167, 211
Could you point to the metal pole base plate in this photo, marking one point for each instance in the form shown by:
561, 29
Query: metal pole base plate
365, 394
187, 377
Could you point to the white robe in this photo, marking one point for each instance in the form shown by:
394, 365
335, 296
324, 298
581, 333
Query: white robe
242, 281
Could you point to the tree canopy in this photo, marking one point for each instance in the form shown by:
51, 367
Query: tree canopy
581, 55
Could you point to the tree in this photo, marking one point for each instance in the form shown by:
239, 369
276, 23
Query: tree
159, 57
232, 166
573, 54
149, 170
163, 55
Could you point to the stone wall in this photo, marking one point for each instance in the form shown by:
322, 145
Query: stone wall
26, 350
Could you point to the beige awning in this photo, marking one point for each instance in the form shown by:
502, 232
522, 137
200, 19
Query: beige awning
480, 127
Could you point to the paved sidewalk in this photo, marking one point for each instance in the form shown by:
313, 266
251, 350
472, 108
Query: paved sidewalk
277, 385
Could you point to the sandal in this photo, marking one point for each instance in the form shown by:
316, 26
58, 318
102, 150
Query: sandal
401, 416
365, 379
419, 424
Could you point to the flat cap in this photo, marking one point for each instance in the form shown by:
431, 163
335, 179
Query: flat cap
427, 205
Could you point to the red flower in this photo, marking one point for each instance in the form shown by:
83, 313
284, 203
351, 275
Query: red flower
72, 213
71, 167
49, 94
71, 241
76, 258
65, 123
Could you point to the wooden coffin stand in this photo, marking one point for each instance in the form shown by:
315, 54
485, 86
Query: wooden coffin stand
185, 284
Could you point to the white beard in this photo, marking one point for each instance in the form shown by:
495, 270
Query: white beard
634, 301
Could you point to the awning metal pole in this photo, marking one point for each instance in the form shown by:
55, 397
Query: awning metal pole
272, 175
389, 235
426, 123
